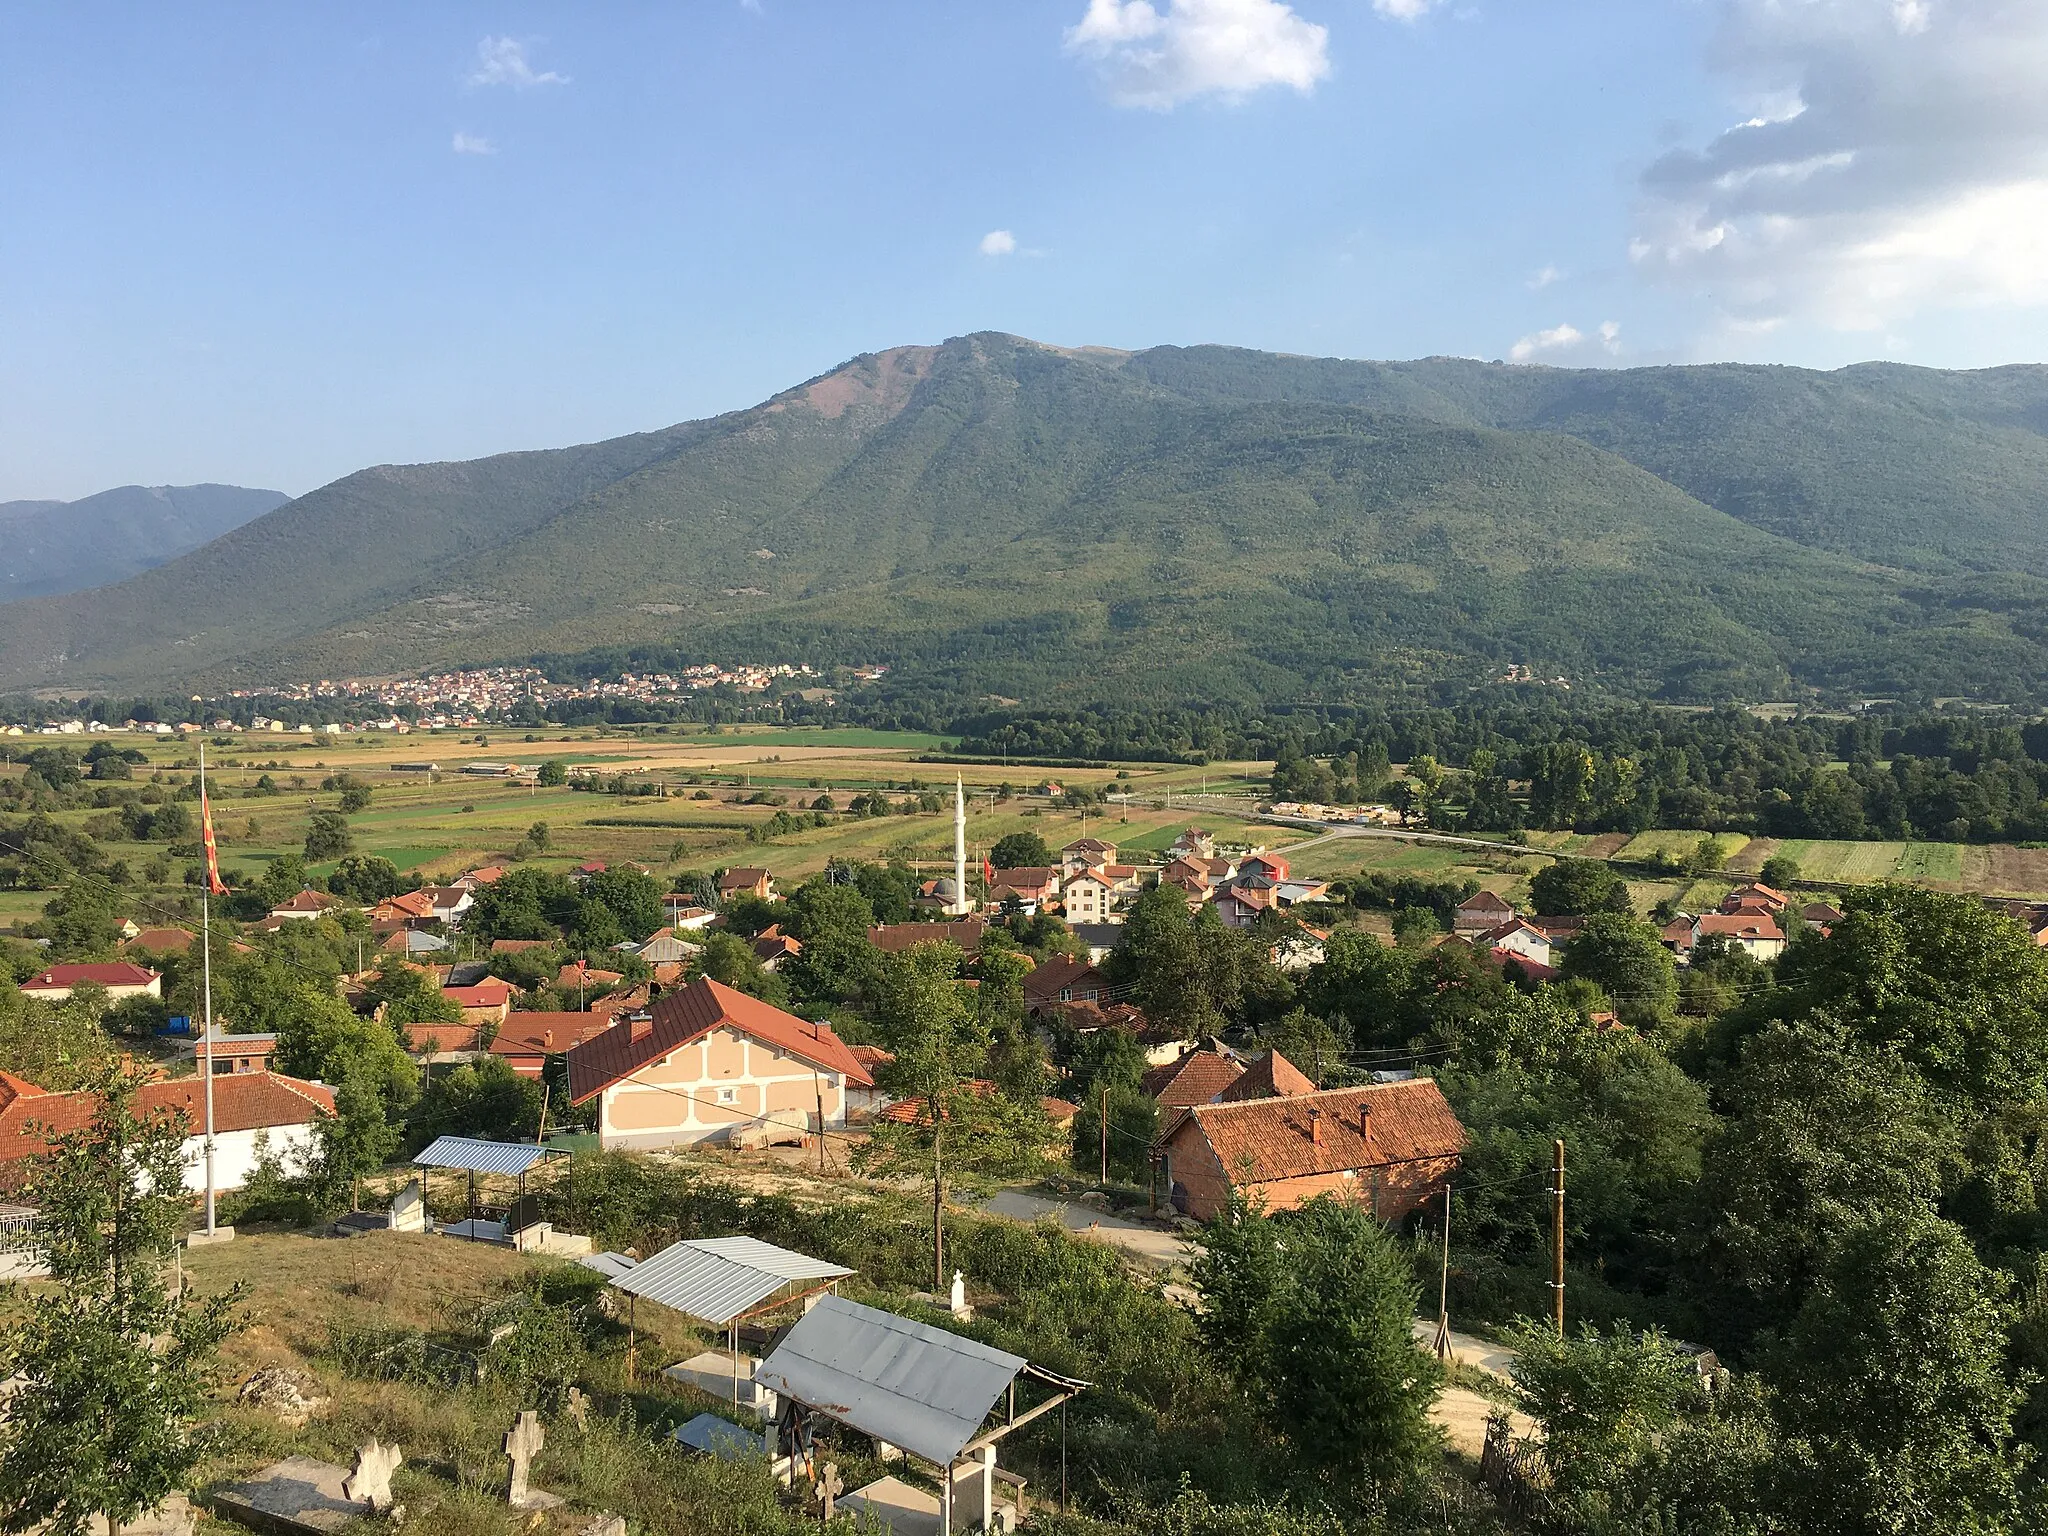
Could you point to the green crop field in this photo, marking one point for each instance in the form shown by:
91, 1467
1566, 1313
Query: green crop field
1645, 846
1850, 862
1935, 862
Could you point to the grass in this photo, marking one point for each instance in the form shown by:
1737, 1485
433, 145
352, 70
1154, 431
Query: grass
1645, 846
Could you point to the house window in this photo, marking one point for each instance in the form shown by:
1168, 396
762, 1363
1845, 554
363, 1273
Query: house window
728, 1095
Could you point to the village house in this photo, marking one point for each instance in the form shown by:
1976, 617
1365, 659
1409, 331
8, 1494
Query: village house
1269, 867
1086, 853
1194, 841
1063, 979
447, 903
305, 906
1754, 894
406, 907
233, 1055
865, 1100
706, 1061
772, 946
1240, 903
525, 1041
746, 882
1197, 1077
1291, 891
1270, 1076
1089, 897
160, 941
1030, 887
665, 946
121, 978
1520, 940
487, 1002
1479, 912
1758, 936
966, 933
1392, 1147
253, 1112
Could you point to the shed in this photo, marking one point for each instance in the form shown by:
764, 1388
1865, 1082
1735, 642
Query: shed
725, 1280
471, 1155
911, 1385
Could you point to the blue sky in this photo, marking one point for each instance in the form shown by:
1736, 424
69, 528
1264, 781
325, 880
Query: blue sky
272, 244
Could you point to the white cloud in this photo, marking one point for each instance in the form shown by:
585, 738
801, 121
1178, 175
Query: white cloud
1610, 337
502, 61
1405, 10
1895, 160
1556, 339
1543, 278
998, 242
473, 144
1227, 48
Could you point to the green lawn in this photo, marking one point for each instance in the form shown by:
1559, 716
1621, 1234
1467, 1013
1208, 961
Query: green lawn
1931, 861
1819, 860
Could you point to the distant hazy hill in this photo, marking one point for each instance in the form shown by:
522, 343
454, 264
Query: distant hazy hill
59, 546
1046, 524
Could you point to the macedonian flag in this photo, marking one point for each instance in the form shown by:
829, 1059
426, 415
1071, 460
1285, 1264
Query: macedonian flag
213, 880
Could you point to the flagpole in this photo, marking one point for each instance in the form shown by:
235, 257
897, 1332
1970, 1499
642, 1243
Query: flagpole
206, 972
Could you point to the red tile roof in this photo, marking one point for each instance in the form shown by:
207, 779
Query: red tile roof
515, 946
432, 1039
1060, 972
1197, 1078
488, 993
243, 1101
1271, 1076
306, 901
547, 1034
696, 1010
592, 980
1739, 925
896, 937
163, 940
1263, 1140
120, 973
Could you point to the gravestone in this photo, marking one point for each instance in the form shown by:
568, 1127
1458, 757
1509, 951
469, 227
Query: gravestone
579, 1408
409, 1209
828, 1488
370, 1483
957, 1302
523, 1442
299, 1496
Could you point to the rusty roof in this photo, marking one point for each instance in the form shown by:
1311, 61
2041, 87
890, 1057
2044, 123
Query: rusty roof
1260, 1141
546, 1034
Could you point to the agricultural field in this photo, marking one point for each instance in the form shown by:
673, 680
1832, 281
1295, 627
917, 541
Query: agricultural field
1646, 846
440, 824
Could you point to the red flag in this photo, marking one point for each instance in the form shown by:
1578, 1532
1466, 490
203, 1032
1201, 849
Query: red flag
214, 885
988, 873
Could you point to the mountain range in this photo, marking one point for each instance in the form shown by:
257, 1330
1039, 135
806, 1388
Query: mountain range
995, 516
49, 547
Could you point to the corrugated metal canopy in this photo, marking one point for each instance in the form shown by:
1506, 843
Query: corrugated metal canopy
716, 1279
481, 1156
609, 1264
912, 1385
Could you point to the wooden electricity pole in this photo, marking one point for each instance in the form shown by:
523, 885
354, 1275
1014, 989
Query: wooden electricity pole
1105, 1136
1557, 1233
1443, 1286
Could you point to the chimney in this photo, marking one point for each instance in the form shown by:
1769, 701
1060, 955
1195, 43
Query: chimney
547, 1037
1365, 1120
642, 1025
1315, 1126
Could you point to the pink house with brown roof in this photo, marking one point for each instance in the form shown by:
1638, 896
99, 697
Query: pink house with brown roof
706, 1061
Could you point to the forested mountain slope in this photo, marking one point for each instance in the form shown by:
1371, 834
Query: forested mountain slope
1907, 466
67, 546
1010, 518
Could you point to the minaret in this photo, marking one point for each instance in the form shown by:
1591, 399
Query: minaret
961, 904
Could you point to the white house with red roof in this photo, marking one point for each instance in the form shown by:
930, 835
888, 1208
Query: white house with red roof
121, 978
253, 1112
706, 1061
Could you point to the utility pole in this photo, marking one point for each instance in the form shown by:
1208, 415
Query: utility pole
1557, 1234
1443, 1286
1104, 1116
